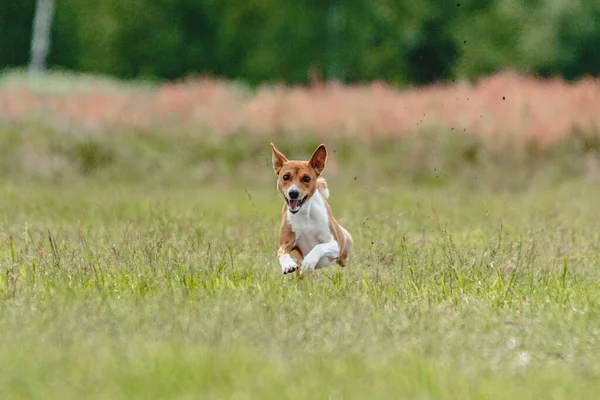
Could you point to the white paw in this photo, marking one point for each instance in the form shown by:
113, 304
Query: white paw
308, 266
287, 263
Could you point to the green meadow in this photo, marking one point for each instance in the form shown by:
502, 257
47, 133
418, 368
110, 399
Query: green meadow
115, 289
143, 265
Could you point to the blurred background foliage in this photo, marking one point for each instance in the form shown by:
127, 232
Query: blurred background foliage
399, 41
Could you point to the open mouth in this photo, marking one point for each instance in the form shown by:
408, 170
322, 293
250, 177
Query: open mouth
295, 205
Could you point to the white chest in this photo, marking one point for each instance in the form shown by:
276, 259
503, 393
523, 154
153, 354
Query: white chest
310, 224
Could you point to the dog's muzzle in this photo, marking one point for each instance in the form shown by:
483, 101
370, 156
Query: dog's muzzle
295, 205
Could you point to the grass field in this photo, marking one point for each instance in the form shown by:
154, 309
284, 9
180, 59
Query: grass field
142, 264
131, 292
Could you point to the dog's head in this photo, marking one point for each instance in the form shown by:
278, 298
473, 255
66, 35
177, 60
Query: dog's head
297, 180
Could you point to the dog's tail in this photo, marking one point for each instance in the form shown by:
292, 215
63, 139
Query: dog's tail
322, 187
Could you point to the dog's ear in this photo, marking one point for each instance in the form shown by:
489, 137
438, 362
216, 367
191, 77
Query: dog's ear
318, 159
278, 159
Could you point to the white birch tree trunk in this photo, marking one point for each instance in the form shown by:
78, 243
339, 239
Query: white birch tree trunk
40, 37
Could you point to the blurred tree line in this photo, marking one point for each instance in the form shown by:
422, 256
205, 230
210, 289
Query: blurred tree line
400, 41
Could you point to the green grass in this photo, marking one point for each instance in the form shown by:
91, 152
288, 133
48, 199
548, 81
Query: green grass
128, 291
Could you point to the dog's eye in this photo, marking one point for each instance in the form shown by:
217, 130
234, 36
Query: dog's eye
286, 177
306, 178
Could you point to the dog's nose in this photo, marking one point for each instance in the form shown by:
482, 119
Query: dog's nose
294, 194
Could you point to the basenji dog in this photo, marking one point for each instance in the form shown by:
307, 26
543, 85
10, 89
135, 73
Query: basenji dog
307, 224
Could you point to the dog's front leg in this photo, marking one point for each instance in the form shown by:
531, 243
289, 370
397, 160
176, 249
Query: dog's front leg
322, 255
287, 243
288, 264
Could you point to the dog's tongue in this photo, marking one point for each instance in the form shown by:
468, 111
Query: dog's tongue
293, 204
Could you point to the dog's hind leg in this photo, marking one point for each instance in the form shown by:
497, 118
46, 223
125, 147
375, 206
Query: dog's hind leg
346, 248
